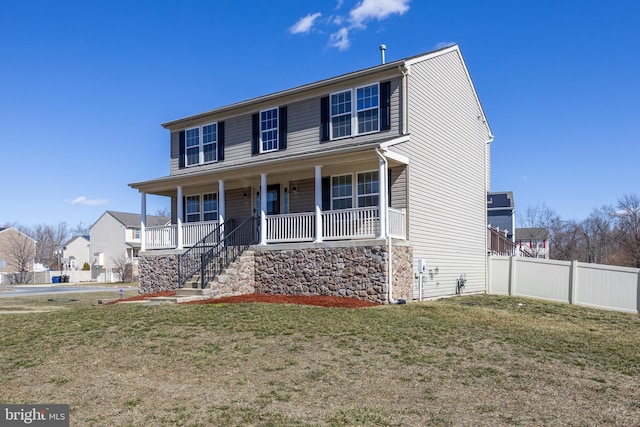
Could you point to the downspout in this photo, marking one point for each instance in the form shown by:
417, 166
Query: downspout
384, 179
404, 69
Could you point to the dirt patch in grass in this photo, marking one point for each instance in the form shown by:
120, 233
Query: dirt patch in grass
317, 300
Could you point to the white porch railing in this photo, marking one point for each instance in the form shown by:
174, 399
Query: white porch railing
397, 223
359, 223
162, 237
193, 232
298, 227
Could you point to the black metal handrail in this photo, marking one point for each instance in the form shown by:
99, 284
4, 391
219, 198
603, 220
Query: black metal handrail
189, 263
228, 249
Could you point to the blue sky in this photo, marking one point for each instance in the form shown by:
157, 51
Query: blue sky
84, 86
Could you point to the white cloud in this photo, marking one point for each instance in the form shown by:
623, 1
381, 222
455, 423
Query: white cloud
340, 39
87, 202
377, 9
339, 5
444, 44
305, 24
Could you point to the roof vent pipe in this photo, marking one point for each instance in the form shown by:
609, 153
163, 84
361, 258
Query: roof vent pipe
382, 49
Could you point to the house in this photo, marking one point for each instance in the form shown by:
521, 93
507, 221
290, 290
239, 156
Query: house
370, 184
533, 241
76, 252
17, 252
501, 211
115, 239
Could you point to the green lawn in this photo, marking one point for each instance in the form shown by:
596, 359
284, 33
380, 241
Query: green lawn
477, 360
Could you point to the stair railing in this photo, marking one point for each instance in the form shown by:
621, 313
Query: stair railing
190, 262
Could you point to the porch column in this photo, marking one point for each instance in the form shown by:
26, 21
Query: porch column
179, 219
143, 219
221, 213
263, 208
318, 199
382, 198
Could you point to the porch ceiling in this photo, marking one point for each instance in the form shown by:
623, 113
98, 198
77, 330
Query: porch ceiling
245, 174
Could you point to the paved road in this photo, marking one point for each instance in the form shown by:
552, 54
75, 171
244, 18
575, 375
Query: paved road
34, 290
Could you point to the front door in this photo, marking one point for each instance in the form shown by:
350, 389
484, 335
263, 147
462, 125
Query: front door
273, 200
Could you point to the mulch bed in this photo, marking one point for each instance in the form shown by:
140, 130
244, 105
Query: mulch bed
317, 300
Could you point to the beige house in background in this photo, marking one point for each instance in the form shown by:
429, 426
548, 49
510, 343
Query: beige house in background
115, 236
76, 253
17, 252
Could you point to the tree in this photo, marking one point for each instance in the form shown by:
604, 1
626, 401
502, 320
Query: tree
599, 239
50, 240
122, 267
164, 212
628, 216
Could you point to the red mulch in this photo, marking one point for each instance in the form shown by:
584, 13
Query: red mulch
317, 300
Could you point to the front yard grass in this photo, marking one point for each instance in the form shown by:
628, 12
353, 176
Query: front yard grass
473, 360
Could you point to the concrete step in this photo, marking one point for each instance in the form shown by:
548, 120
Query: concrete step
189, 292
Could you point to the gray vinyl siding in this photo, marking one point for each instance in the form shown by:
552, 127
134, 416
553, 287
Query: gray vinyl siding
398, 178
303, 130
108, 236
303, 200
236, 206
446, 175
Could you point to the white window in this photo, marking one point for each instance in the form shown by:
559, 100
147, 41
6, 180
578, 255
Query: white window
136, 233
269, 130
341, 192
201, 207
341, 114
201, 144
368, 109
365, 101
368, 189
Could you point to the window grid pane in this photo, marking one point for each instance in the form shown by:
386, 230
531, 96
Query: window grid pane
209, 142
341, 192
367, 104
210, 206
341, 114
193, 208
269, 129
368, 189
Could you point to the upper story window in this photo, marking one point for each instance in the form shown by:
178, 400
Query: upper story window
136, 233
357, 111
201, 144
269, 130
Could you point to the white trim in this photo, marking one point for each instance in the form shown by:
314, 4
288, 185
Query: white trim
200, 207
354, 112
354, 189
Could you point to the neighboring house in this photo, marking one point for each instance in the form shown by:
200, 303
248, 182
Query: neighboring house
17, 252
114, 237
533, 241
76, 252
325, 178
501, 211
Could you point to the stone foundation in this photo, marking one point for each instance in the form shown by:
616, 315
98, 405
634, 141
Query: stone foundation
237, 279
357, 269
158, 271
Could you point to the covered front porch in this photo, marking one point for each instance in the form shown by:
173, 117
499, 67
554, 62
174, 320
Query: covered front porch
350, 196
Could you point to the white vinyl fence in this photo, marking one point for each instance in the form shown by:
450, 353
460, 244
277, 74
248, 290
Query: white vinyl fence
573, 282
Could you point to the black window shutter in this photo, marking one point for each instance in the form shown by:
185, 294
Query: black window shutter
255, 141
181, 150
385, 105
324, 118
326, 193
220, 141
282, 124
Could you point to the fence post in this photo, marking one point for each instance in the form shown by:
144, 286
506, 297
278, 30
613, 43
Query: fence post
573, 282
512, 274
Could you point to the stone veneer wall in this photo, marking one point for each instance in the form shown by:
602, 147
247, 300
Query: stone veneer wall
237, 279
158, 271
357, 269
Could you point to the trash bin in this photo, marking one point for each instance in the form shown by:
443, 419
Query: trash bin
64, 279
55, 279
